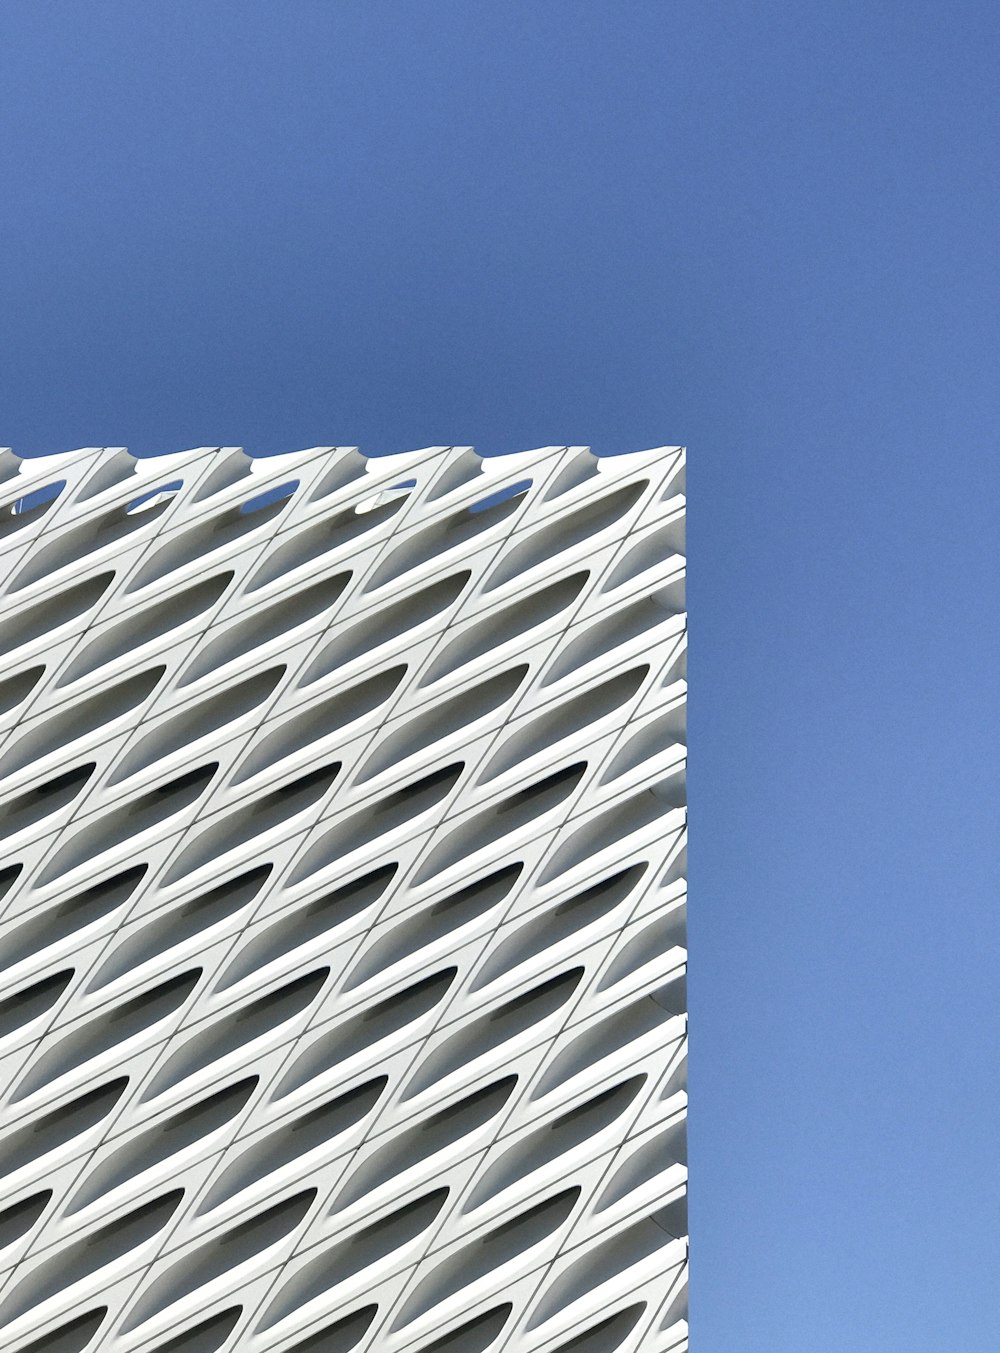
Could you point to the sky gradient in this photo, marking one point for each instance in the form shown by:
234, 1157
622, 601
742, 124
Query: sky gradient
766, 231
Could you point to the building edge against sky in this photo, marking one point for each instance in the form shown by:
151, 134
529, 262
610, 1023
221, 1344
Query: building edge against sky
342, 902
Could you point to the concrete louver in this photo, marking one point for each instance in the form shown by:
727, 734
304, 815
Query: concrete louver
342, 902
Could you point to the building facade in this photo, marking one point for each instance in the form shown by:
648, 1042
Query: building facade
342, 902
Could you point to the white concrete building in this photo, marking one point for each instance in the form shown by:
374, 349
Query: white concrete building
342, 902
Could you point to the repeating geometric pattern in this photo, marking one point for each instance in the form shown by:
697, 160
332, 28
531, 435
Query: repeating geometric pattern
342, 926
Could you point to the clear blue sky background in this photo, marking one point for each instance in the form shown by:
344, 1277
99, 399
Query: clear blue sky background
767, 230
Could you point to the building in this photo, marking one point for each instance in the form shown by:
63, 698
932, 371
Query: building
342, 808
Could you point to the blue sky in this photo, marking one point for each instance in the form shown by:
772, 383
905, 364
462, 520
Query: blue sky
768, 231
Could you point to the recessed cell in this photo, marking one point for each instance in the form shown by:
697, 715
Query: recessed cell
490, 1031
145, 625
386, 815
564, 720
648, 742
307, 923
179, 923
473, 1336
511, 814
80, 718
106, 1031
580, 468
364, 1030
607, 1336
207, 1336
645, 945
483, 1257
226, 468
31, 1002
555, 1139
225, 1252
298, 548
450, 533
346, 469
166, 1138
20, 1217
443, 720
59, 549
295, 1140
14, 690
59, 922
597, 640
106, 831
30, 506
560, 534
318, 721
43, 618
607, 829
237, 1030
406, 937
460, 467
112, 469
658, 1153
439, 1132
245, 824
41, 801
74, 1336
600, 1264
54, 1129
385, 625
197, 721
552, 927
340, 1337
339, 1262
504, 625
184, 547
604, 1038
81, 1259
265, 625
651, 551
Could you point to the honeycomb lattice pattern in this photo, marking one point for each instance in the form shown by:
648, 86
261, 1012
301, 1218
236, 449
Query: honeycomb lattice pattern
343, 902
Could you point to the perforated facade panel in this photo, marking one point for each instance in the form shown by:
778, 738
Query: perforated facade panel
343, 902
